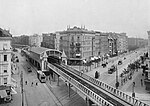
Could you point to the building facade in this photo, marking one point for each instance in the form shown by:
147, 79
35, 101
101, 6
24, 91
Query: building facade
78, 44
124, 42
147, 72
104, 50
48, 40
5, 57
134, 43
35, 40
112, 42
5, 64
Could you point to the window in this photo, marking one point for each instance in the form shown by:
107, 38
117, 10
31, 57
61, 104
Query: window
5, 80
5, 71
5, 57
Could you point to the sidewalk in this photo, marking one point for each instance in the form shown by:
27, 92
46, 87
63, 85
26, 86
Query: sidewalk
50, 93
62, 94
140, 92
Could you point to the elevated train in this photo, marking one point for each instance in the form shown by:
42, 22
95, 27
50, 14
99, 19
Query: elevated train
57, 62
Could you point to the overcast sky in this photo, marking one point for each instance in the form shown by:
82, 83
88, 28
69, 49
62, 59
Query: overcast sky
38, 16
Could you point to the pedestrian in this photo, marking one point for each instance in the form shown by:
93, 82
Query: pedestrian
141, 82
134, 84
36, 83
26, 82
32, 84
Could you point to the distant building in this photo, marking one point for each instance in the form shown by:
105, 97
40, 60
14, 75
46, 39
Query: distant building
48, 40
112, 42
78, 44
147, 72
35, 40
22, 40
134, 43
122, 43
5, 62
102, 44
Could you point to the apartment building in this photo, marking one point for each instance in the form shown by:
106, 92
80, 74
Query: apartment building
5, 63
124, 42
78, 44
35, 40
48, 40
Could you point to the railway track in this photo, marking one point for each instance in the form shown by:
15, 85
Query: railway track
113, 100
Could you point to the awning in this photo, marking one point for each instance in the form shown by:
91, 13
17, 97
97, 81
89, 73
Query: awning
13, 82
3, 93
13, 91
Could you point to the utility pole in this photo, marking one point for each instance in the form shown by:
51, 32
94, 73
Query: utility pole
133, 93
21, 75
117, 82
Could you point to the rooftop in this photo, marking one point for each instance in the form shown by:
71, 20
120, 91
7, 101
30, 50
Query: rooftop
4, 33
38, 50
77, 30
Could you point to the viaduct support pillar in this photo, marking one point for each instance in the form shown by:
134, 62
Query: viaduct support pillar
58, 80
87, 101
54, 77
69, 89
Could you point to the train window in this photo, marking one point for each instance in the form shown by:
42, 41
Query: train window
98, 83
93, 94
102, 101
97, 98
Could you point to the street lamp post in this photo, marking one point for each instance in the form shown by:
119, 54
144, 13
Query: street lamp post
117, 82
133, 93
22, 88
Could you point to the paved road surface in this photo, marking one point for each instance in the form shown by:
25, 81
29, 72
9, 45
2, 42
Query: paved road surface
49, 94
140, 92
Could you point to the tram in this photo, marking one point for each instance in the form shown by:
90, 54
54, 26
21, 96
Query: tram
41, 76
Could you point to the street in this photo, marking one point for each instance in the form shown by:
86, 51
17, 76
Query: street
140, 92
42, 94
